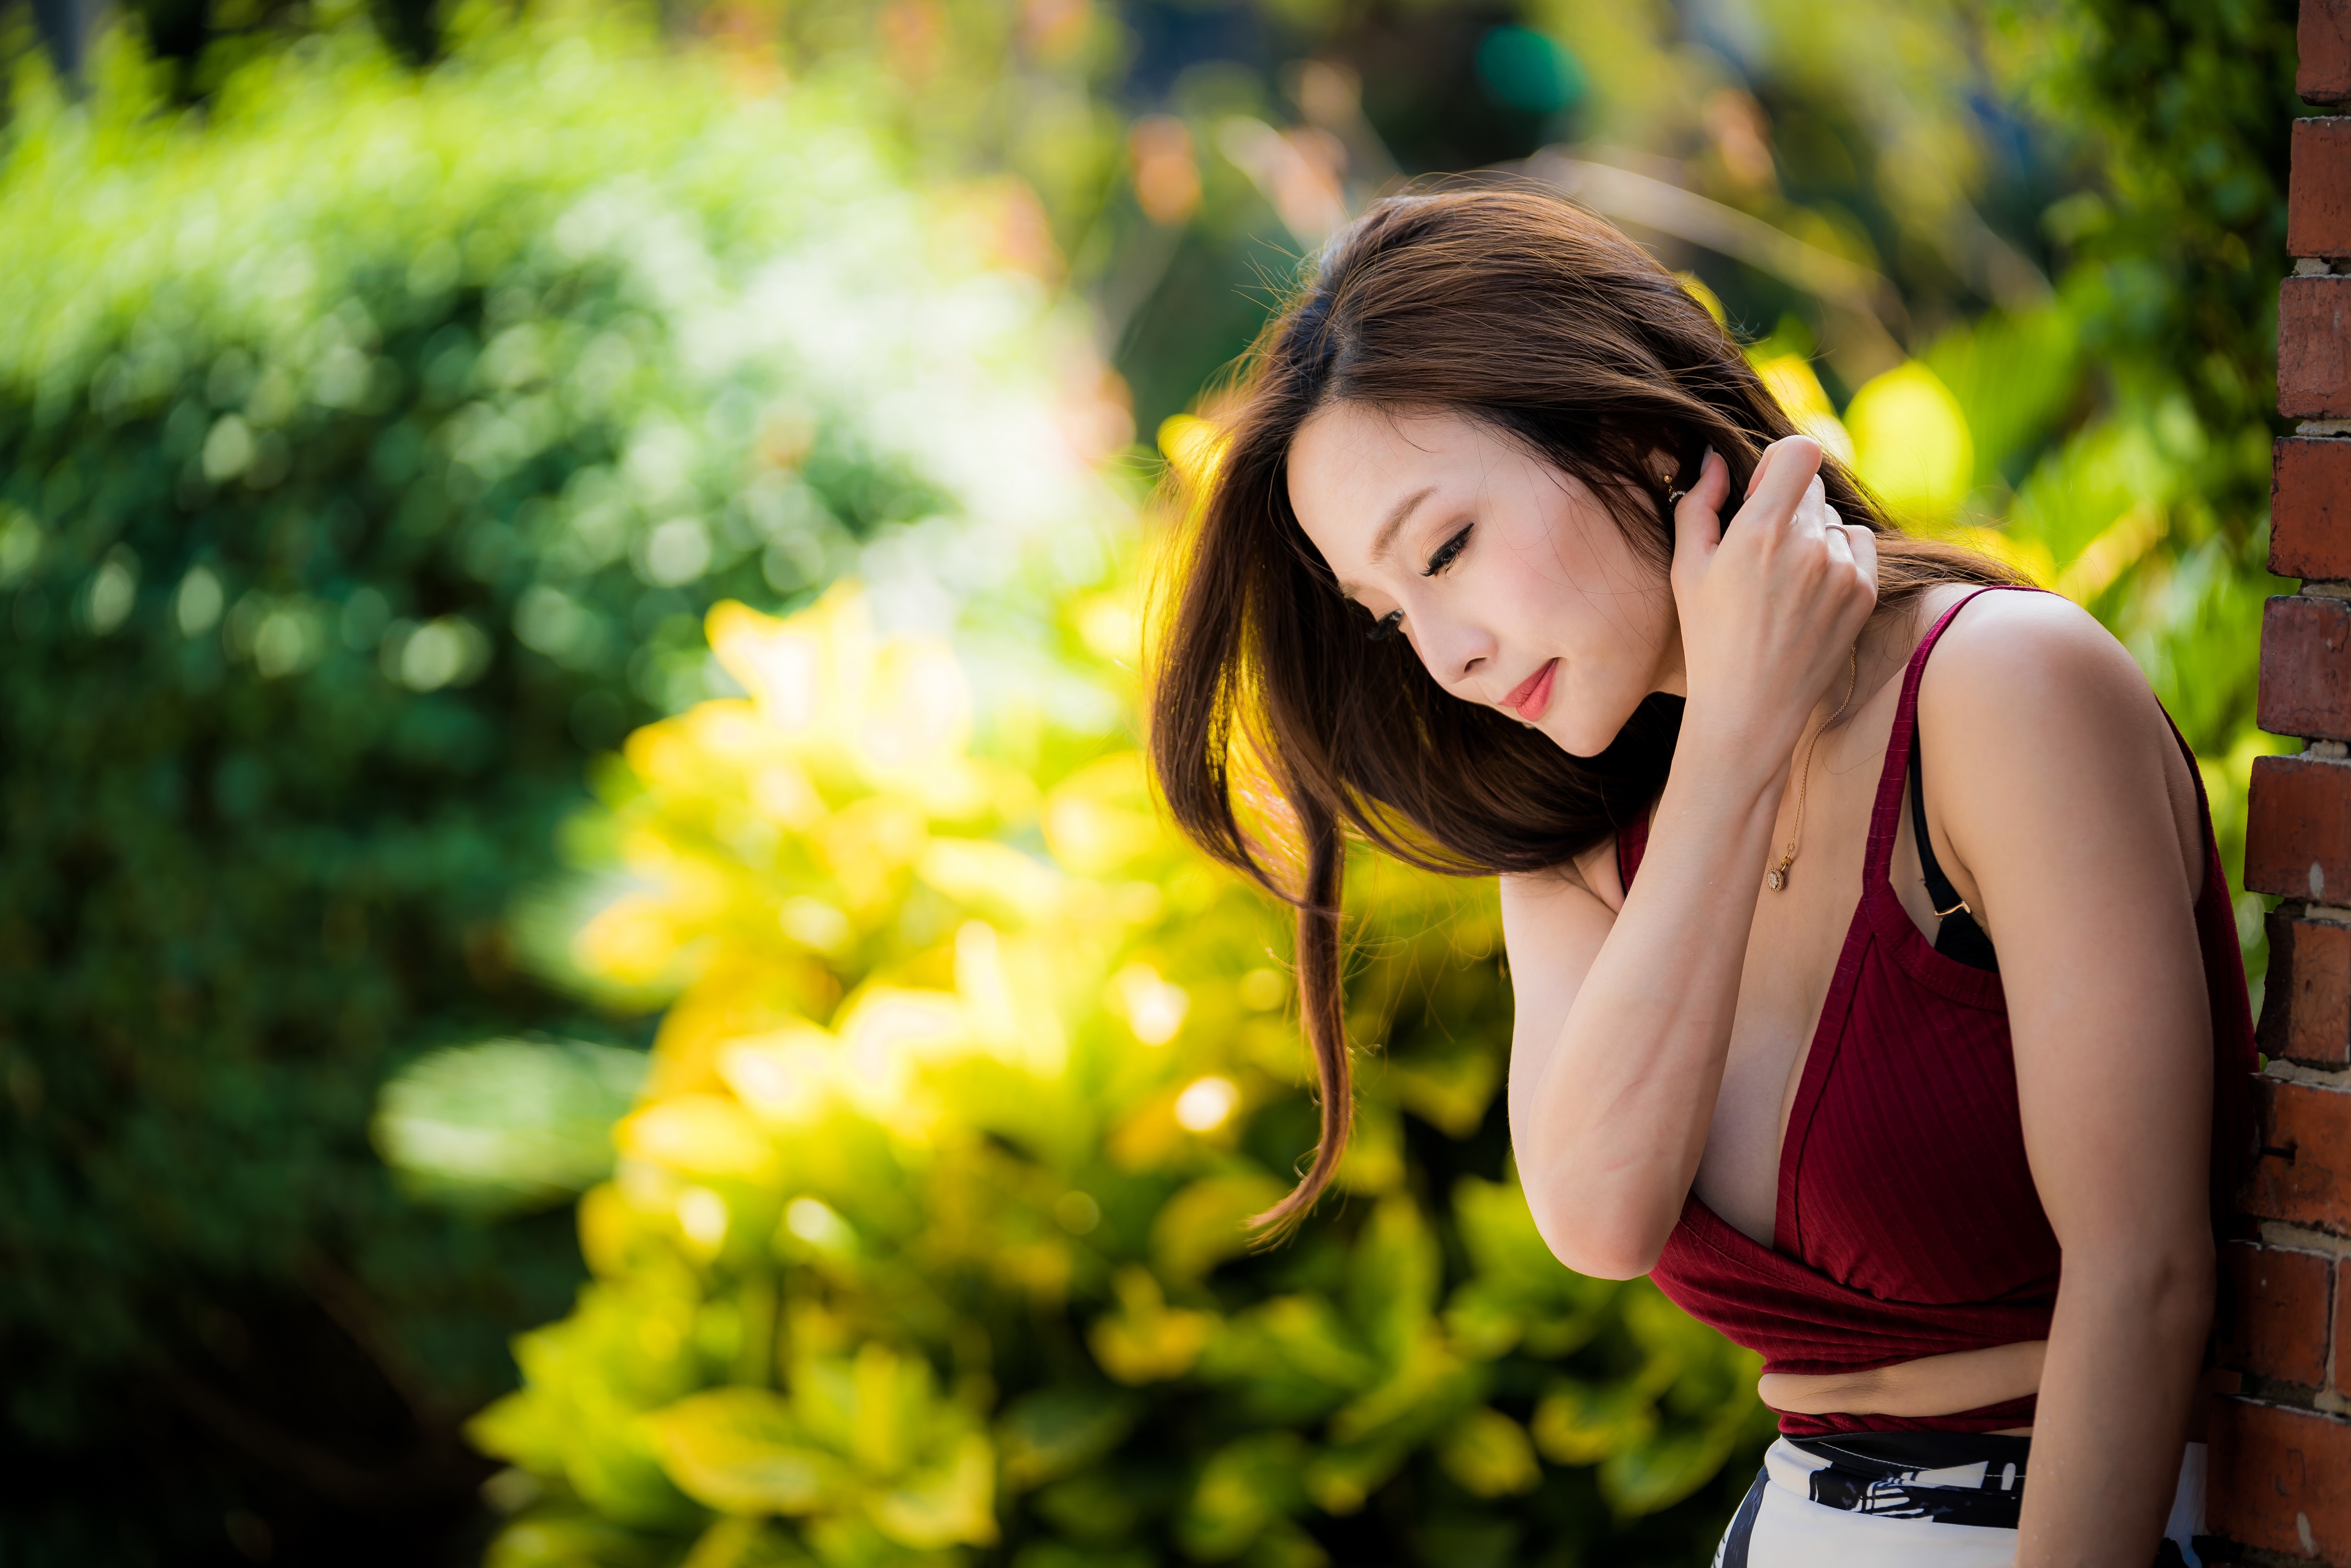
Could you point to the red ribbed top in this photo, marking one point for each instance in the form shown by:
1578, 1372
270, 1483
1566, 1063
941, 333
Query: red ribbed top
1908, 1222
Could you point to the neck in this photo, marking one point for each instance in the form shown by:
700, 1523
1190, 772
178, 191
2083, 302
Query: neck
1880, 652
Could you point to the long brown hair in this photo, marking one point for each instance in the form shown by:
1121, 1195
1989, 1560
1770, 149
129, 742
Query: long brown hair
1554, 329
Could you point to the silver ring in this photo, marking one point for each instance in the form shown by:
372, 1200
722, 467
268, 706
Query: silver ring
1674, 497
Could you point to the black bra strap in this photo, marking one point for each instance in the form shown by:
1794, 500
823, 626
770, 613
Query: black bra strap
1959, 936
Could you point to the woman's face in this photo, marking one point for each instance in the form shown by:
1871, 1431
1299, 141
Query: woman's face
1516, 587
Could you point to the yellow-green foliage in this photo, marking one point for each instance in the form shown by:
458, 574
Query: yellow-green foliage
927, 1235
371, 445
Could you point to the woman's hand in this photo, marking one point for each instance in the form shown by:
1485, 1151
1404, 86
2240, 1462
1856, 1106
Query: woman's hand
1768, 610
1616, 1060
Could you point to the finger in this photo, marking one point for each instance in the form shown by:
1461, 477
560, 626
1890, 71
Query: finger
1840, 548
1697, 517
1814, 506
1713, 485
1864, 553
1781, 478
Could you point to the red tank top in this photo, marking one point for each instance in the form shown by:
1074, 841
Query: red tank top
1908, 1223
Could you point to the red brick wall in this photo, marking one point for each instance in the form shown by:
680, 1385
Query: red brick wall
2281, 1457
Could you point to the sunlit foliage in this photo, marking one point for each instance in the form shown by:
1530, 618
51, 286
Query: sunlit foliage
926, 1237
371, 445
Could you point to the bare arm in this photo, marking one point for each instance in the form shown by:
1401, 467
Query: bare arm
2060, 790
1624, 1017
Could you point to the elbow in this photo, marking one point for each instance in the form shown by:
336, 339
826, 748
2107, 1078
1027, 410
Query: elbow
2170, 1283
1614, 1263
1598, 1244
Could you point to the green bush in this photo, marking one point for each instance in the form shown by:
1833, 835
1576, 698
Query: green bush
926, 1238
369, 446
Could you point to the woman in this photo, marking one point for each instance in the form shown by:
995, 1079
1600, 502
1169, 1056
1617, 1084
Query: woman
1856, 991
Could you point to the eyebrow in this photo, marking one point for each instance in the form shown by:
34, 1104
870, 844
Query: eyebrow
1385, 537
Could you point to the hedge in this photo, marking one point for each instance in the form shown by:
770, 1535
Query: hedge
925, 1243
371, 445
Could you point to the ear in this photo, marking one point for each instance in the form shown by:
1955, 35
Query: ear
1663, 467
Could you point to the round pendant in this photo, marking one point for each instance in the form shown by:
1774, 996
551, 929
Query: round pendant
1776, 879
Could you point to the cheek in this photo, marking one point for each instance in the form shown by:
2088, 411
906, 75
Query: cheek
1612, 645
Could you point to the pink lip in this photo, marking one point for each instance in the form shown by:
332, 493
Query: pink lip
1533, 694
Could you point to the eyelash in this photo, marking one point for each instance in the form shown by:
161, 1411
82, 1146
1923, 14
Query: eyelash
1443, 555
1448, 553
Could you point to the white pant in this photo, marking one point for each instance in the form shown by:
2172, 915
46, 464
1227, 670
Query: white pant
1780, 1526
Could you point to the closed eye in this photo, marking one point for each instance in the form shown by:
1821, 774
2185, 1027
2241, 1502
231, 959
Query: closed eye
1450, 550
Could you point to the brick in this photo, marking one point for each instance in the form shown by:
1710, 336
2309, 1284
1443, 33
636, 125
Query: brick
2305, 686
2302, 1172
2276, 1480
2342, 1355
2318, 191
2323, 42
2310, 507
2314, 346
2298, 829
2306, 999
2280, 1306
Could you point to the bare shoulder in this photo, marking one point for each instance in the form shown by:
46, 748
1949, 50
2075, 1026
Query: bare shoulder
2028, 660
2032, 713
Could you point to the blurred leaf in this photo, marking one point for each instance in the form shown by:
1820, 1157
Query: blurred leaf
947, 1504
1576, 1423
1449, 1092
1911, 444
568, 1537
1208, 1222
740, 1451
1657, 1472
1245, 1487
1490, 1455
1147, 1341
506, 1125
1058, 1431
744, 1544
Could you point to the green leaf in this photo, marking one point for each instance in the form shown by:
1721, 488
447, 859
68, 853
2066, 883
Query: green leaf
1293, 1342
1577, 1423
1208, 1222
1489, 1454
1245, 1487
562, 1537
1392, 1279
1147, 1341
950, 1504
525, 1429
1100, 1506
1429, 1388
1057, 1432
1659, 1472
1061, 1555
508, 1126
1342, 1478
744, 1544
739, 1450
1448, 1090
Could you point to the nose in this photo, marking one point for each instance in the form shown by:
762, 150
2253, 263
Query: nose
1455, 652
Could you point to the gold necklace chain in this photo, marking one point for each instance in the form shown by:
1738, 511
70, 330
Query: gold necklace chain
1776, 879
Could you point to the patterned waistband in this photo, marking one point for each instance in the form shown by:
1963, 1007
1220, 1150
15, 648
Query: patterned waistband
1951, 1478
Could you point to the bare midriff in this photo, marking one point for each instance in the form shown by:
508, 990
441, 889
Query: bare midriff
1930, 1386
